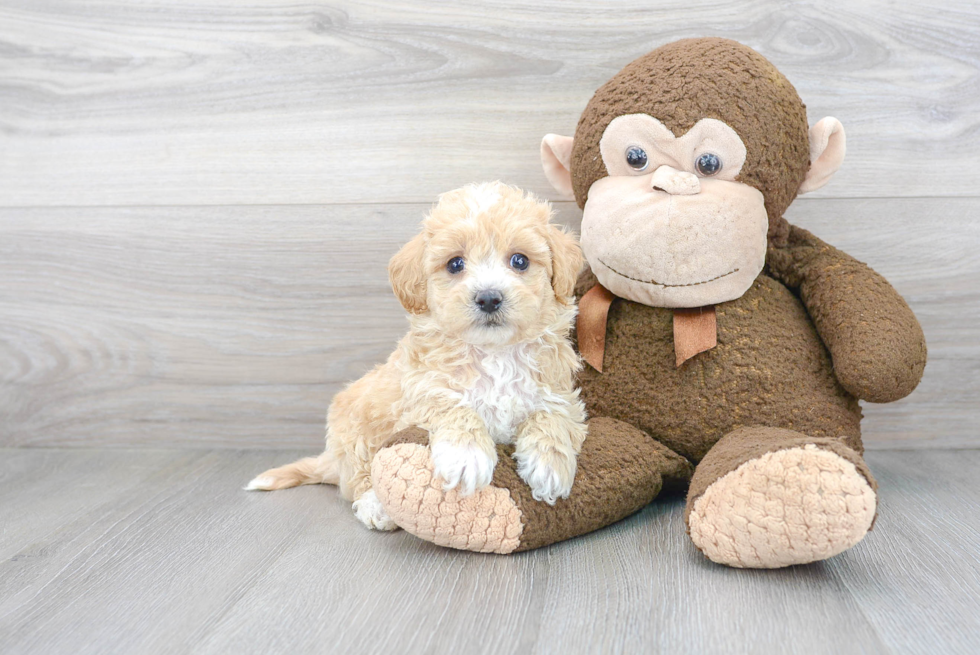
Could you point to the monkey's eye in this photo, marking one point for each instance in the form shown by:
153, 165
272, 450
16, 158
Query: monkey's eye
519, 261
455, 265
708, 164
636, 157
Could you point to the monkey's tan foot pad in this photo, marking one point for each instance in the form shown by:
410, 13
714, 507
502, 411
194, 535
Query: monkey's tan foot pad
487, 521
792, 506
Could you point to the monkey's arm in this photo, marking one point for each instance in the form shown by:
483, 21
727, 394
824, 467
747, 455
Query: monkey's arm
874, 339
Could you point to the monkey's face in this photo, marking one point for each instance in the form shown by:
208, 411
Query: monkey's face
683, 164
671, 226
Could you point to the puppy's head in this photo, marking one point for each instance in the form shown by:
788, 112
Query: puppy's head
488, 267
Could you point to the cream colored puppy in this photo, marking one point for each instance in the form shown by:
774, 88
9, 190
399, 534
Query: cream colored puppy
488, 286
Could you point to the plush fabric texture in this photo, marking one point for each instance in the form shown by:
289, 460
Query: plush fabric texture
828, 145
751, 443
878, 347
486, 522
766, 498
556, 157
620, 471
681, 83
665, 150
681, 250
769, 368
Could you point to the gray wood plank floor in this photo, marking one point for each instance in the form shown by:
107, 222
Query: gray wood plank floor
155, 551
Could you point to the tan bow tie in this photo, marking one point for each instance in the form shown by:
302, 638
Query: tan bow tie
695, 329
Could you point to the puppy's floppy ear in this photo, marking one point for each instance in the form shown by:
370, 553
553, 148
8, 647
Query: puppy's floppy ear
566, 262
406, 270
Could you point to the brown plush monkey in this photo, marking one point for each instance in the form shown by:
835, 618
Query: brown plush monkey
727, 349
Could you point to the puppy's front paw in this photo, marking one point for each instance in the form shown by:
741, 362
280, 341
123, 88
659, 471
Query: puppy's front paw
466, 466
370, 512
549, 473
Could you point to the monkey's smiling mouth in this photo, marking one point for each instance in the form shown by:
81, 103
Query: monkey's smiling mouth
667, 286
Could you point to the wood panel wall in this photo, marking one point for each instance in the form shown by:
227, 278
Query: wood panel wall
197, 201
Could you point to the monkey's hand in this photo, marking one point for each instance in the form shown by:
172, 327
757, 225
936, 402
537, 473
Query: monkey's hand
874, 339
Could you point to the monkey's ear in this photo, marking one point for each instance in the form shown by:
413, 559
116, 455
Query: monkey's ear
566, 262
406, 270
556, 159
827, 146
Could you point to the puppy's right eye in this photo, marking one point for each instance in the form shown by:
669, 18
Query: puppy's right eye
455, 265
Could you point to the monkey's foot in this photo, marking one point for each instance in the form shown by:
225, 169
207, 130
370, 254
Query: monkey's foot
620, 470
486, 521
795, 505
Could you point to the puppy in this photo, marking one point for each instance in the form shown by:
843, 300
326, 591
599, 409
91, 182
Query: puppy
488, 285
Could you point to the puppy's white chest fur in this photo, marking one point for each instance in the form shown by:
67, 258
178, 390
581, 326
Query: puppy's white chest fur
505, 392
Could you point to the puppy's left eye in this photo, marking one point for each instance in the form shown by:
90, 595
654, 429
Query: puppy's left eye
455, 265
519, 261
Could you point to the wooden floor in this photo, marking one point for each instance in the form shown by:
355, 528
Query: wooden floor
160, 551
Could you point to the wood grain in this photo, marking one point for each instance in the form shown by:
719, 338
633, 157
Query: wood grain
183, 561
42, 490
197, 203
148, 570
234, 326
924, 550
279, 102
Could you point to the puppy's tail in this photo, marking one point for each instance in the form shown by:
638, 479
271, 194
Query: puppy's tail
309, 470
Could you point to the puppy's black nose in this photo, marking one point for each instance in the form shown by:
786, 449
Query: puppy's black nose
489, 300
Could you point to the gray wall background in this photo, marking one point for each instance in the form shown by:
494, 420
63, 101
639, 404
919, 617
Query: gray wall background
197, 201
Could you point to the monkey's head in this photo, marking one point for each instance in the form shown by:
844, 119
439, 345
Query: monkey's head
684, 163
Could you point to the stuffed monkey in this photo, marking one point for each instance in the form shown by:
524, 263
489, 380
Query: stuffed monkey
727, 350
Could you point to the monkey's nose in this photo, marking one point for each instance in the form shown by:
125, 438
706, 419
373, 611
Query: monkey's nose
675, 182
489, 300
